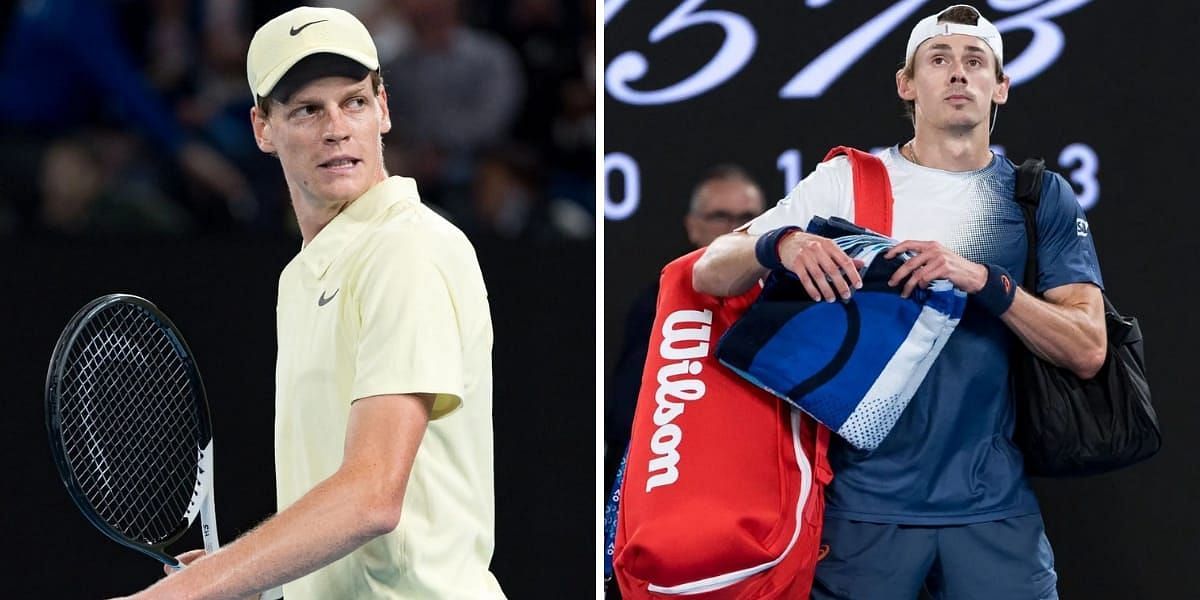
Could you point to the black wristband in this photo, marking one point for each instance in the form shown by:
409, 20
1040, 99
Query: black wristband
766, 249
998, 292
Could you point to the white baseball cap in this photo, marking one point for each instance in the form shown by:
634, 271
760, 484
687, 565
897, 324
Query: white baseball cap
302, 32
930, 27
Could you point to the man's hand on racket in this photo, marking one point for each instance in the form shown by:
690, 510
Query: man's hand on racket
826, 271
184, 559
934, 261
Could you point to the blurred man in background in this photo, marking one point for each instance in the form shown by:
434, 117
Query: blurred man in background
458, 90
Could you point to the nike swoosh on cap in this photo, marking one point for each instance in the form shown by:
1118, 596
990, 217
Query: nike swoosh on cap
297, 30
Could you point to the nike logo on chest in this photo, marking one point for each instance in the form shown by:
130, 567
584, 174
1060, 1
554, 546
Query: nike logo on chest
322, 301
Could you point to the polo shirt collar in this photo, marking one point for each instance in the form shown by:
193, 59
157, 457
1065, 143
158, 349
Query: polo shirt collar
354, 219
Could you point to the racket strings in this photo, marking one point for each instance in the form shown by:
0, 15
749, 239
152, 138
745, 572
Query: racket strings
129, 425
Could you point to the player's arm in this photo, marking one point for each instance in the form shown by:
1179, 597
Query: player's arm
734, 262
1066, 328
728, 266
731, 265
359, 502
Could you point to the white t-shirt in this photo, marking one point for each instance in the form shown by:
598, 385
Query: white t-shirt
956, 209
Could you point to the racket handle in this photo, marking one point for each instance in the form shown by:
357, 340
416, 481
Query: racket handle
208, 524
208, 507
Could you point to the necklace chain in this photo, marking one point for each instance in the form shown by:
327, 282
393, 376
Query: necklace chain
913, 151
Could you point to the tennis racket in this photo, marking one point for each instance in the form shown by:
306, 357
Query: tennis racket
129, 427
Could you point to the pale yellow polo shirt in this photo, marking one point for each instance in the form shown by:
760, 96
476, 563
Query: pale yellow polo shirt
388, 299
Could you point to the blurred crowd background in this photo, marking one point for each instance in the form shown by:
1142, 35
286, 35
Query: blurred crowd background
132, 116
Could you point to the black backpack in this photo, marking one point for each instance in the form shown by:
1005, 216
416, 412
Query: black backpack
1067, 426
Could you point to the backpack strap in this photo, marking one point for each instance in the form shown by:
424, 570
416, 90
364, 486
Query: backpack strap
872, 189
1029, 194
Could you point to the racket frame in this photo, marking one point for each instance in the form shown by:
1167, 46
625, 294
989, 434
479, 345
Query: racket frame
202, 496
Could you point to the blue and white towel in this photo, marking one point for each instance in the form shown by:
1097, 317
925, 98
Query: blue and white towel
852, 365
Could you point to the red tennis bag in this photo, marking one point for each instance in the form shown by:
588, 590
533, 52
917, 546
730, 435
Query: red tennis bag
722, 495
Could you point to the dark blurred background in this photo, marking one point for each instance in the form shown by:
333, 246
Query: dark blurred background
127, 163
1099, 92
123, 116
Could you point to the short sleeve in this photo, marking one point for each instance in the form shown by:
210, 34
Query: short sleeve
1066, 253
409, 338
824, 193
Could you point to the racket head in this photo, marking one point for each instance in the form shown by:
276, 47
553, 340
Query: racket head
128, 422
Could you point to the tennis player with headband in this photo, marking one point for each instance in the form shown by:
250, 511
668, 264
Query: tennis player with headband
383, 432
943, 503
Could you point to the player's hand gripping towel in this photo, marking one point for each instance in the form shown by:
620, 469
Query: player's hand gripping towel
852, 365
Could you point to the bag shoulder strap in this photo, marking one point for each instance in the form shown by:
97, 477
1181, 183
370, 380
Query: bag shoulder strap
1029, 194
872, 189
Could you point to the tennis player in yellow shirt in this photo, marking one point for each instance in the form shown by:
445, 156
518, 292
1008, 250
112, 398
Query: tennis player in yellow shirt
383, 432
